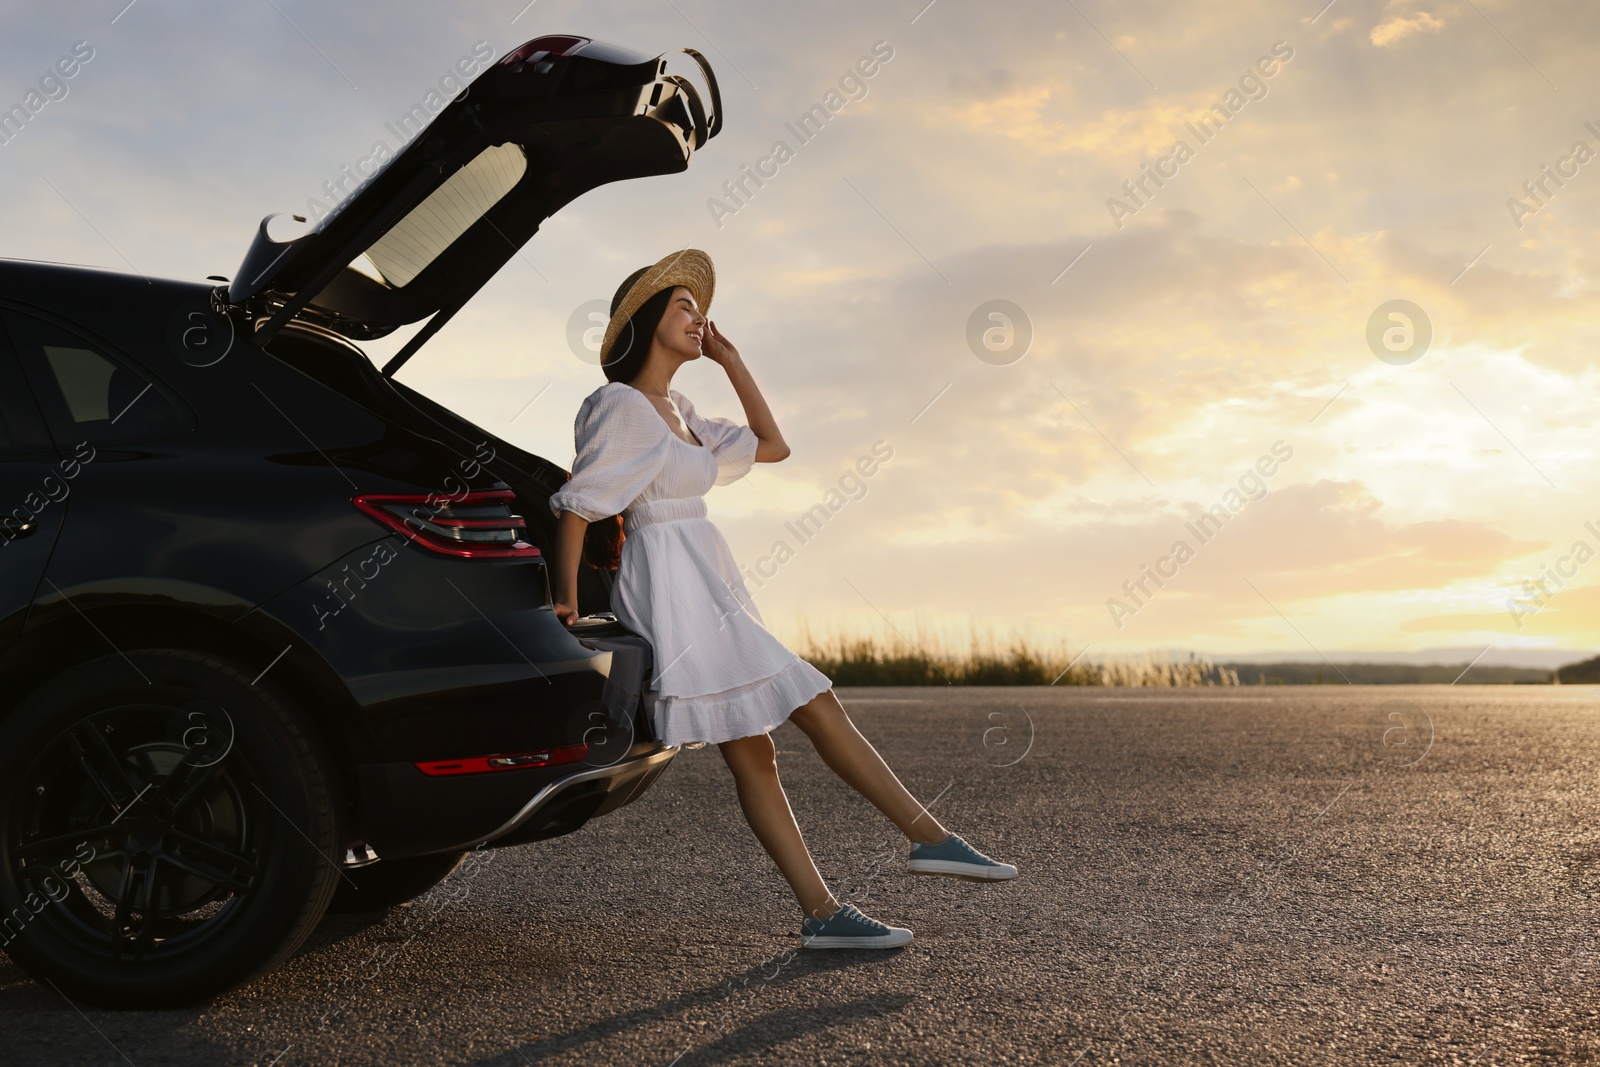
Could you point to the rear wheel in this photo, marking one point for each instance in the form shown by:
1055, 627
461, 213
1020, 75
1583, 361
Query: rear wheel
167, 829
389, 882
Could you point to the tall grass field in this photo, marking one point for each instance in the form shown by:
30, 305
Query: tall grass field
923, 657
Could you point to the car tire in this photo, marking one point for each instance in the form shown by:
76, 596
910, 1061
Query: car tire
389, 882
168, 829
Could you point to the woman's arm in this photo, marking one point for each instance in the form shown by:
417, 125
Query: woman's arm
621, 445
564, 568
770, 446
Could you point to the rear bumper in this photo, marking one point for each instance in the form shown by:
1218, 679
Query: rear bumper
412, 814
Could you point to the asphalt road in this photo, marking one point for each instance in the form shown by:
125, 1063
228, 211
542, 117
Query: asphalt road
1212, 876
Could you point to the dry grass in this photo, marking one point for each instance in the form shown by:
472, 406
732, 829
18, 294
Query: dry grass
920, 658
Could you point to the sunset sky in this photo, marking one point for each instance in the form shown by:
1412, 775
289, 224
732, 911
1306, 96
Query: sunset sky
1176, 338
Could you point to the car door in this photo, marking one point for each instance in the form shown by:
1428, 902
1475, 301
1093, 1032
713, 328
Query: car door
35, 491
106, 419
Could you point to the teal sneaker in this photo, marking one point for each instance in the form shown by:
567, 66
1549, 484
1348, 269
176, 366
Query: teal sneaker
848, 928
957, 859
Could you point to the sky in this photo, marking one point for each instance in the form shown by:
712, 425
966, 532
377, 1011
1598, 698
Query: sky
1350, 313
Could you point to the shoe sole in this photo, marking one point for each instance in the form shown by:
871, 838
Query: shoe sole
880, 941
955, 869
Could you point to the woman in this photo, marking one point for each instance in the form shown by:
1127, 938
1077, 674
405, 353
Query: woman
720, 676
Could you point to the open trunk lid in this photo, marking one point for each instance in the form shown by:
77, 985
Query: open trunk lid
546, 123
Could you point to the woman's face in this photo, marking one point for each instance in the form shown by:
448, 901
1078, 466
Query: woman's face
683, 329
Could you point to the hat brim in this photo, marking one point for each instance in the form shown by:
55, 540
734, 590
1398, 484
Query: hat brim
690, 268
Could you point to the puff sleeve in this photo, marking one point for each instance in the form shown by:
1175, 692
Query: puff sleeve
621, 447
732, 444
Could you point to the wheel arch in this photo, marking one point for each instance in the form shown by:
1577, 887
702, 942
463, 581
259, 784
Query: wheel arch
58, 640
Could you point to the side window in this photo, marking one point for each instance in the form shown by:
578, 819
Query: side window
86, 394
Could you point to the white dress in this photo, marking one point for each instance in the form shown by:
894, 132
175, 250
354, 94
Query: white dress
718, 672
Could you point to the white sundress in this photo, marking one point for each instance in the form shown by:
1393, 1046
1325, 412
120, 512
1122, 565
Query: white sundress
718, 673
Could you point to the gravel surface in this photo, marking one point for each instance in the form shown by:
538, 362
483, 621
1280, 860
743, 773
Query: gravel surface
1339, 875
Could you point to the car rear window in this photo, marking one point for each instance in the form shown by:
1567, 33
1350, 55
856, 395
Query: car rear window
448, 212
84, 377
87, 394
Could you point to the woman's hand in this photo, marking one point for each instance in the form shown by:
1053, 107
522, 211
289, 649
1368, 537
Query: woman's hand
717, 347
565, 612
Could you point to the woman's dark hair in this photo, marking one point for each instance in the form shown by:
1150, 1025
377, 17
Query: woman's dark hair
632, 346
602, 541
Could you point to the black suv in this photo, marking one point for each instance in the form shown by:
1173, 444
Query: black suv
275, 630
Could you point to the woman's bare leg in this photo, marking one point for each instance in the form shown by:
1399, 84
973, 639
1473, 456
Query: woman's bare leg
852, 758
754, 763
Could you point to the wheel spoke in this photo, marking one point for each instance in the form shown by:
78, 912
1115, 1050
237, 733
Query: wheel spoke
211, 874
135, 896
127, 895
102, 767
230, 870
142, 934
61, 847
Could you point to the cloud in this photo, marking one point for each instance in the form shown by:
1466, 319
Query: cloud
1399, 27
1571, 617
1328, 537
1036, 116
1306, 545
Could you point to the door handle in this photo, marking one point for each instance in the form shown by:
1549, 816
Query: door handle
13, 532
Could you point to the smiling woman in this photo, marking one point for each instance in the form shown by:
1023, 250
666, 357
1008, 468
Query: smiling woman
718, 674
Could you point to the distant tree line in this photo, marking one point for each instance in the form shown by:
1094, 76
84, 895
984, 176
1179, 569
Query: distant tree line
1385, 674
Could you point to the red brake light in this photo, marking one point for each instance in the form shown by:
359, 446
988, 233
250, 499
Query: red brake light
559, 44
511, 761
475, 525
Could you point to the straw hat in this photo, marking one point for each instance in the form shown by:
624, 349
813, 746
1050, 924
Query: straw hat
690, 268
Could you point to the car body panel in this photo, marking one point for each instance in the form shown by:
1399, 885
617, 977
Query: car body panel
422, 640
35, 490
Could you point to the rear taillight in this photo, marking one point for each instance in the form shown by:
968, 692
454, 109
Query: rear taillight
475, 525
510, 761
560, 45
